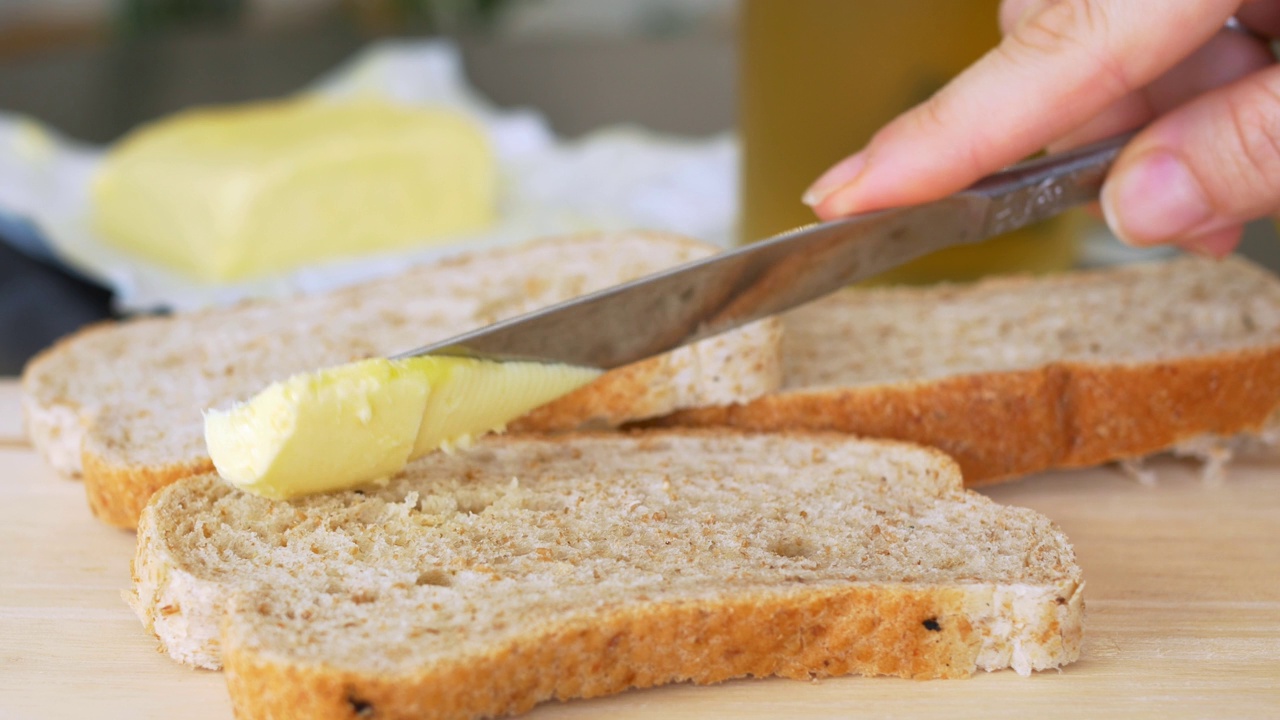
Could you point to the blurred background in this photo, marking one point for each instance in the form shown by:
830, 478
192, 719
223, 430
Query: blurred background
93, 69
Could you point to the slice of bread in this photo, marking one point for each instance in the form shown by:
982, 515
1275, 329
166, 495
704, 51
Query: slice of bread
121, 403
1012, 376
532, 568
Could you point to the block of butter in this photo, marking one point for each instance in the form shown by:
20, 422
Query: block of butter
353, 424
229, 193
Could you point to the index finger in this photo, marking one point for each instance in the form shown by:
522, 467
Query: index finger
1059, 67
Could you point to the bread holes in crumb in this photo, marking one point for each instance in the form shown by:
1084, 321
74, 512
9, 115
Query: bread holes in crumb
473, 502
433, 577
932, 625
360, 708
242, 549
791, 547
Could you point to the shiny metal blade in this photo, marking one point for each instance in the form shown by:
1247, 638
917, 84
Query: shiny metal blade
646, 317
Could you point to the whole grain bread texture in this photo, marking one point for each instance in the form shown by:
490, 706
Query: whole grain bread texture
1016, 375
536, 568
120, 404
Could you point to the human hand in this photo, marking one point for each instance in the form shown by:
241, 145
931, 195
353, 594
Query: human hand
1070, 72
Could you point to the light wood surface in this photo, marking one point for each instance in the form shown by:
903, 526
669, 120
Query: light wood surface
11, 432
1183, 600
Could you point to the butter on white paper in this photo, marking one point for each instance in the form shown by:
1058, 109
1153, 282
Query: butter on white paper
615, 179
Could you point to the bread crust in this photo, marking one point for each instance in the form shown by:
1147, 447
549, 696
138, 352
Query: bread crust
801, 634
1003, 425
118, 494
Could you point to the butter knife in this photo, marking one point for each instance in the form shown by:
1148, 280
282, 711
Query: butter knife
660, 312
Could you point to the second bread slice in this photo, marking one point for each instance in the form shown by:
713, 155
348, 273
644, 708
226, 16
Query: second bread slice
121, 403
1012, 376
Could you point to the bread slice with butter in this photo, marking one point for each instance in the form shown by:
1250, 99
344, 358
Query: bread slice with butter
1012, 376
120, 403
532, 568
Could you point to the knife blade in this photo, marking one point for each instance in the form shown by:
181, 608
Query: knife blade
663, 311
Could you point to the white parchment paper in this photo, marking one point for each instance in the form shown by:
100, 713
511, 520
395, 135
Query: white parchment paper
616, 178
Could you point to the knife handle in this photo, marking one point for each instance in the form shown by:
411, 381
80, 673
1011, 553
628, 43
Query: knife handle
1041, 188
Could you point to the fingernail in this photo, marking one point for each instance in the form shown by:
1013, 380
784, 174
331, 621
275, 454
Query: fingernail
1154, 200
841, 174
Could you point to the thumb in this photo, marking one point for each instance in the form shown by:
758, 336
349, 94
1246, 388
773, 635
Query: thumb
1196, 175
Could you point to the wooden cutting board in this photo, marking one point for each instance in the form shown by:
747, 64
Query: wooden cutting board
1183, 600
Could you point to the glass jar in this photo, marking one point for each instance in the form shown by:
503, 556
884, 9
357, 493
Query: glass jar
819, 77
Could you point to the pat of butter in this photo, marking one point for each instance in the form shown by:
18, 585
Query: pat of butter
229, 193
353, 424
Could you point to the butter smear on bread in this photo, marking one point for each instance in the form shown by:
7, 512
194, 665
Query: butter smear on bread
353, 424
